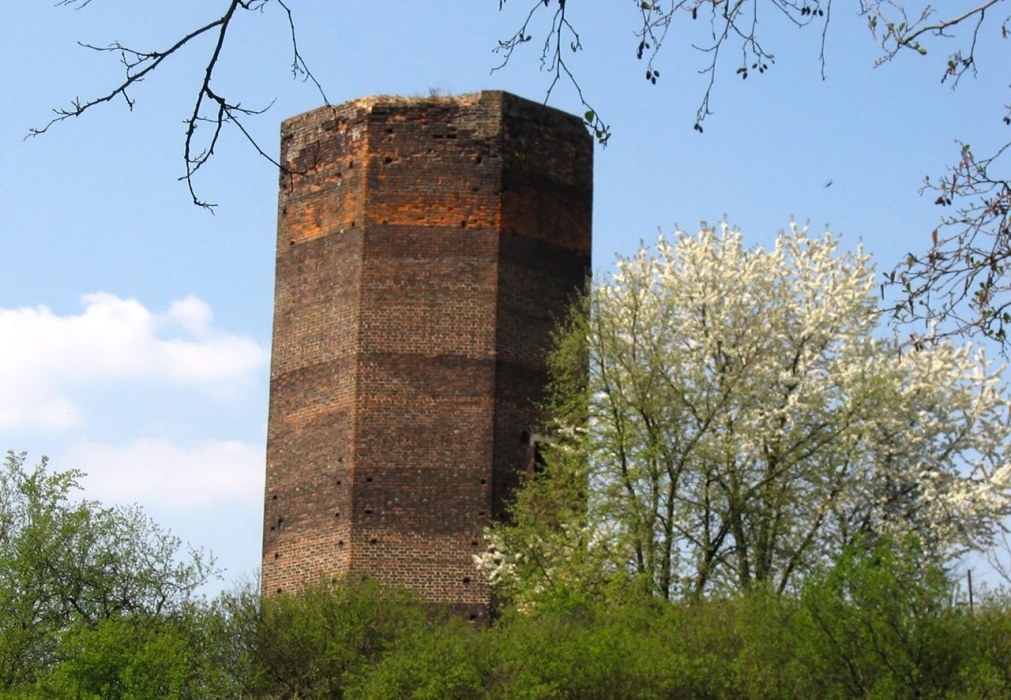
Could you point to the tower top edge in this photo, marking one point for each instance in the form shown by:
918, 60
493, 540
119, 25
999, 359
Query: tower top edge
366, 105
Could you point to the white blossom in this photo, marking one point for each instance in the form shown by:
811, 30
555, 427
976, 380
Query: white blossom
746, 420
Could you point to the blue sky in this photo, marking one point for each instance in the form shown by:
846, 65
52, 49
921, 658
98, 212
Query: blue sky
135, 327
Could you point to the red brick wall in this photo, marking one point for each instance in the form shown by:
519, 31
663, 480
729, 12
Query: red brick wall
422, 260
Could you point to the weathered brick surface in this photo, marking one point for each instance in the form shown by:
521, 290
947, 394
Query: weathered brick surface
422, 260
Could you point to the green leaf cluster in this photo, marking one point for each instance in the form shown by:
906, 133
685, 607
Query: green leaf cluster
68, 566
873, 625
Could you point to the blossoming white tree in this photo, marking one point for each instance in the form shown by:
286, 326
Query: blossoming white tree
741, 422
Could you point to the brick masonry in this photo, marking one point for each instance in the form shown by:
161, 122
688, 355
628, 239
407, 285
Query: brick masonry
425, 249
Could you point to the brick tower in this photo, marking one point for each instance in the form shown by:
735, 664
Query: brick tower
424, 252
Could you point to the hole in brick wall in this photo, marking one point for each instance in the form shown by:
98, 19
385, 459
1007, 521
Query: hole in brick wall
473, 617
480, 513
368, 511
477, 159
291, 242
368, 479
338, 482
484, 481
280, 521
473, 543
389, 130
340, 543
387, 160
337, 514
537, 462
274, 497
466, 579
279, 589
351, 163
524, 438
463, 223
271, 528
373, 540
475, 188
277, 555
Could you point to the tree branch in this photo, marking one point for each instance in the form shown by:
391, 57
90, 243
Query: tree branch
553, 58
210, 107
966, 269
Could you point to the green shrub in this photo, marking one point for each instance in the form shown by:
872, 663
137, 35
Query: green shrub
138, 657
310, 644
881, 624
987, 673
443, 661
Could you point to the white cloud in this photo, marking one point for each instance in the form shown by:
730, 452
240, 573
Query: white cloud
44, 357
191, 313
161, 474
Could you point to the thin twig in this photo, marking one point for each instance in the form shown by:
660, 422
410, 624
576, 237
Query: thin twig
210, 107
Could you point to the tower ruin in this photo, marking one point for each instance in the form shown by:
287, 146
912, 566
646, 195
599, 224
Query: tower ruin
426, 247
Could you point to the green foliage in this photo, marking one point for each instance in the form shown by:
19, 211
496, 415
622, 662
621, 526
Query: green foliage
444, 661
986, 672
312, 644
878, 623
68, 565
882, 624
136, 658
875, 625
567, 654
120, 658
